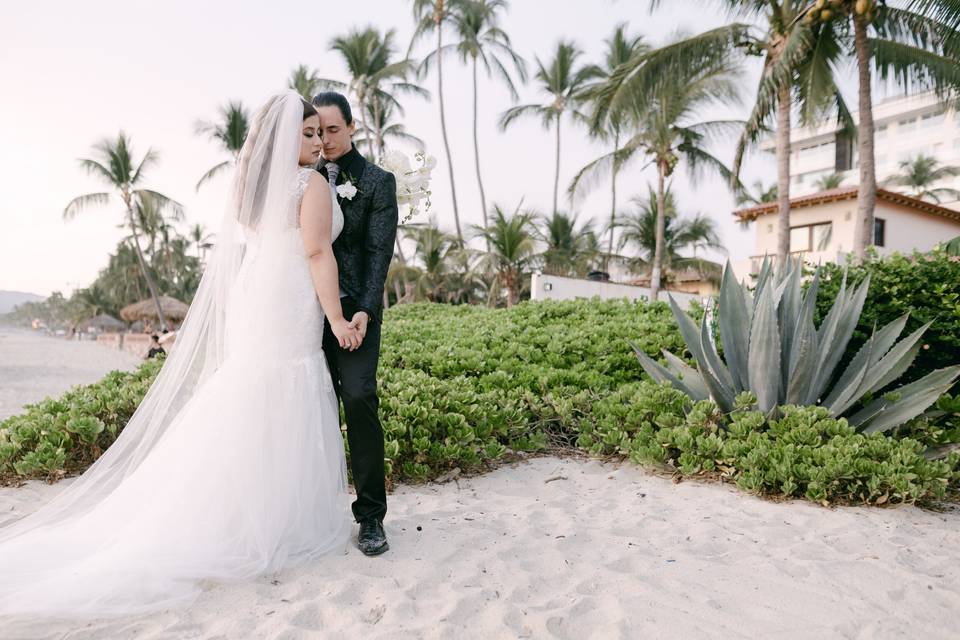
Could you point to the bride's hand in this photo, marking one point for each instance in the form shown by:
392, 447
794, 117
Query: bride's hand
347, 335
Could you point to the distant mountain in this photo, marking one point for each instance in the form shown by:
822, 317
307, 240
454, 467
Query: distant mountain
10, 299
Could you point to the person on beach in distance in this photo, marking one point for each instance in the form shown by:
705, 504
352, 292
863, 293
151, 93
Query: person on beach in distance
155, 348
368, 197
233, 465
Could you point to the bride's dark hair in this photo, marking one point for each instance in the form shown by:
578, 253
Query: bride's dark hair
308, 109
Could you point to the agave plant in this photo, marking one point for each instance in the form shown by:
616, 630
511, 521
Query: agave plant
773, 349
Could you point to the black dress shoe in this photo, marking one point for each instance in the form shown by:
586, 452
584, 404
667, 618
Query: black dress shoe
372, 539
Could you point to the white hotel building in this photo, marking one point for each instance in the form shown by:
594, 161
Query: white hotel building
822, 222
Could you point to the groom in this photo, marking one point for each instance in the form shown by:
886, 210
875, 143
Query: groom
364, 249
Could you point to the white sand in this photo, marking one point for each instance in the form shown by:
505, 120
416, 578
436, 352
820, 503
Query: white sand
608, 551
34, 366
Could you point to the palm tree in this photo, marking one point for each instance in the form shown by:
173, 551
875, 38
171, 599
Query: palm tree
381, 119
432, 253
375, 75
916, 46
307, 83
565, 83
919, 174
230, 131
113, 163
798, 69
570, 249
660, 130
621, 48
201, 239
431, 16
829, 181
481, 40
763, 195
512, 248
697, 233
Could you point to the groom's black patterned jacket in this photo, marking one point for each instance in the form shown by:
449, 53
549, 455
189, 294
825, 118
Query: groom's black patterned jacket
364, 248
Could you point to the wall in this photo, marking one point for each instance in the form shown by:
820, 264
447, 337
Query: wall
544, 287
908, 230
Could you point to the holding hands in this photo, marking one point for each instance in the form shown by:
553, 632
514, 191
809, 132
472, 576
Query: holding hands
350, 334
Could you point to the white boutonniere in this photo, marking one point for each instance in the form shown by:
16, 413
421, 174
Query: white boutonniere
346, 190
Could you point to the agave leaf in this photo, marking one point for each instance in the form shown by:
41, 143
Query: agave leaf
883, 414
690, 376
825, 333
847, 322
901, 357
803, 360
803, 349
734, 328
849, 387
660, 373
763, 280
712, 358
844, 392
788, 311
764, 356
937, 453
723, 396
688, 329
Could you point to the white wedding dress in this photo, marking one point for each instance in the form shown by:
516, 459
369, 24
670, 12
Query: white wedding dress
246, 476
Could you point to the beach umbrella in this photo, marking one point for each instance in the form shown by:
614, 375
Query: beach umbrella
173, 309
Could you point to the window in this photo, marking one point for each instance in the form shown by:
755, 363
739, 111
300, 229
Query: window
881, 132
811, 237
880, 160
932, 120
799, 239
908, 125
821, 236
879, 232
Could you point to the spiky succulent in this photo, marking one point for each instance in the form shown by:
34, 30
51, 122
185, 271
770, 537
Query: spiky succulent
773, 349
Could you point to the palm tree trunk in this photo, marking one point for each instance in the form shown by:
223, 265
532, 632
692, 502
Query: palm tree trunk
443, 121
377, 125
143, 267
613, 202
783, 174
655, 274
363, 125
867, 192
476, 154
556, 172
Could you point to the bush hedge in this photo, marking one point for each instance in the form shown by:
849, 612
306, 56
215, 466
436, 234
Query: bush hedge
465, 386
925, 285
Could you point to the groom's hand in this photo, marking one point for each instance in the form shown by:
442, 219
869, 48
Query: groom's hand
359, 322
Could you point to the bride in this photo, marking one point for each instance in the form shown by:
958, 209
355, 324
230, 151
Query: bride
233, 465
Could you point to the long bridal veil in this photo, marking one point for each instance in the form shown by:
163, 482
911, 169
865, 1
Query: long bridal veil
231, 318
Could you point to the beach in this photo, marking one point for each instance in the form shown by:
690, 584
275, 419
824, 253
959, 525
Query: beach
34, 366
556, 548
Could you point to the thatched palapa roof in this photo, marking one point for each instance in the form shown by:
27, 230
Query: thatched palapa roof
102, 322
172, 308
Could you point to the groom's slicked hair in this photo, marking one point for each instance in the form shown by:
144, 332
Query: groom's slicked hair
334, 99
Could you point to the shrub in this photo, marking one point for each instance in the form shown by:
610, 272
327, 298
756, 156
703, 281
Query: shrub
927, 286
460, 386
466, 386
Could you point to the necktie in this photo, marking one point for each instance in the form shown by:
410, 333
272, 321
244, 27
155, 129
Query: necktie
333, 170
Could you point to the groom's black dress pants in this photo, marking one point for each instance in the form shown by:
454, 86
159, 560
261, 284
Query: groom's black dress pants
355, 381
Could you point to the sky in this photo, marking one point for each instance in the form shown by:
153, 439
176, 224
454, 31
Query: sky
73, 73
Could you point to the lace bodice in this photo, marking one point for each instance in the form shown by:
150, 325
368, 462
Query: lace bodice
303, 178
